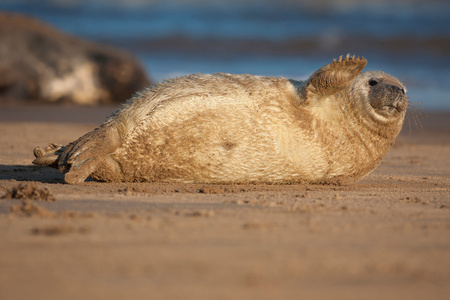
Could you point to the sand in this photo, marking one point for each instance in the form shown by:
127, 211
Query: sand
386, 237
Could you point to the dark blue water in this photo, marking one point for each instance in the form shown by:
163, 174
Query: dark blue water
408, 39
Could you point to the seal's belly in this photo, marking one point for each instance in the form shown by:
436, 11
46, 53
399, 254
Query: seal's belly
220, 148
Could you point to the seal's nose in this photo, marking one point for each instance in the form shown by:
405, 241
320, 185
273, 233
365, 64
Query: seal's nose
396, 89
399, 98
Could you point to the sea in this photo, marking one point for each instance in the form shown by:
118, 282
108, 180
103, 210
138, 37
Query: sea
409, 39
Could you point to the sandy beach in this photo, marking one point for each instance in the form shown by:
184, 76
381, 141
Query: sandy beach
385, 237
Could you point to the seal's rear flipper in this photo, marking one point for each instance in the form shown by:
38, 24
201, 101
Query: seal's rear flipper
80, 171
332, 78
81, 158
48, 156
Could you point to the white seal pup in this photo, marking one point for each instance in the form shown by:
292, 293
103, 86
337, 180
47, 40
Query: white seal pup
334, 127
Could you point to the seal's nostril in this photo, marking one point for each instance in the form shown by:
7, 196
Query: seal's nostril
395, 88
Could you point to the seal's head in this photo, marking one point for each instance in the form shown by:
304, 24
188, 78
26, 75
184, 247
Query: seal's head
364, 113
374, 93
385, 94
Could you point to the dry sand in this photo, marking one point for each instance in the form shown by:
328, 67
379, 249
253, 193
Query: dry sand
386, 237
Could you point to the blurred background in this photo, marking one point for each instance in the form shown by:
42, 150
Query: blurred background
409, 39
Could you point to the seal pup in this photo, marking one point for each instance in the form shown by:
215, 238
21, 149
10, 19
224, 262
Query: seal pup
335, 127
40, 63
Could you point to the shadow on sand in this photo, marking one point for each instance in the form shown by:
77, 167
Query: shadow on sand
30, 173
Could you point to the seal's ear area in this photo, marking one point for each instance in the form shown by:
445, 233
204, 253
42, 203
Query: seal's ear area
333, 77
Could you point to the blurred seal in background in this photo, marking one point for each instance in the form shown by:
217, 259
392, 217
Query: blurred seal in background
42, 64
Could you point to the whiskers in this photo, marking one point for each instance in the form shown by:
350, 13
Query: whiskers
414, 114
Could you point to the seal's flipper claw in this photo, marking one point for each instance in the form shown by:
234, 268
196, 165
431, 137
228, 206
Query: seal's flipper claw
49, 161
333, 77
48, 156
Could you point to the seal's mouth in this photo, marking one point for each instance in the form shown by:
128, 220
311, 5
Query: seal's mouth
398, 106
391, 108
395, 108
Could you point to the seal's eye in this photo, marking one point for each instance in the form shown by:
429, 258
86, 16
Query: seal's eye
373, 82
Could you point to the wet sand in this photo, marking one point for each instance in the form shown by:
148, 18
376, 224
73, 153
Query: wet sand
386, 237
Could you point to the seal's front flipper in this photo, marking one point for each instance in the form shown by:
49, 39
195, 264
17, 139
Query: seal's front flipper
48, 156
82, 157
333, 77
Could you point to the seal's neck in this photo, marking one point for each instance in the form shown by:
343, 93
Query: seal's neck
359, 123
